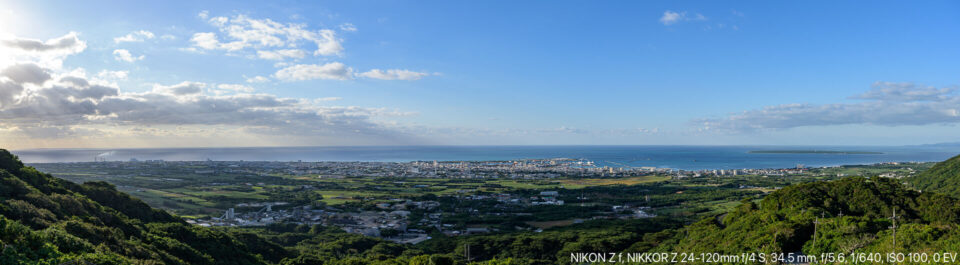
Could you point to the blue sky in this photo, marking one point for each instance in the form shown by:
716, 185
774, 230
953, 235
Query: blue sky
482, 72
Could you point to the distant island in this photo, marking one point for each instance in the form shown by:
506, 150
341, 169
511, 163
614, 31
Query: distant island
814, 152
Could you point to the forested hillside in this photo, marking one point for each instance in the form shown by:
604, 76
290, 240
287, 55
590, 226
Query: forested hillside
944, 177
45, 220
853, 214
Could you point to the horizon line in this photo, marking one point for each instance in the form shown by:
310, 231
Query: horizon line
478, 145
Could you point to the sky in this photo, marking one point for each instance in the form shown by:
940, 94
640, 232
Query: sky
102, 74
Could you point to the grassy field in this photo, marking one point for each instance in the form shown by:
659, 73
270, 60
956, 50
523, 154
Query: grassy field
175, 201
354, 189
335, 197
581, 183
578, 183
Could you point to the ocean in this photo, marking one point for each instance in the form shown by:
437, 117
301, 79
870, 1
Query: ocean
675, 157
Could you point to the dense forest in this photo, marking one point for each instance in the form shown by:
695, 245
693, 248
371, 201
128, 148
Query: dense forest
853, 214
46, 220
944, 177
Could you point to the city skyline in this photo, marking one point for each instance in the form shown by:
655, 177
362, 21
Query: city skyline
183, 74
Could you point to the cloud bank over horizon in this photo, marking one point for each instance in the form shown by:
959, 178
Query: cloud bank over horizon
41, 102
885, 104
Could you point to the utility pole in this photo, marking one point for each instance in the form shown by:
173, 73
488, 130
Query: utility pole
467, 254
816, 222
894, 227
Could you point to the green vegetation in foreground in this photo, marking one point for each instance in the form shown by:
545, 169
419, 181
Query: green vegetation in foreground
814, 152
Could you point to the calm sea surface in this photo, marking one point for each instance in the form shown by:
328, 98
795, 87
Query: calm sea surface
677, 157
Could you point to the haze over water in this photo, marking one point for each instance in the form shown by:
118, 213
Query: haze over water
676, 157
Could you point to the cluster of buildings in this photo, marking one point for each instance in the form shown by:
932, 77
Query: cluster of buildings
392, 216
264, 216
515, 169
546, 198
632, 212
737, 172
512, 169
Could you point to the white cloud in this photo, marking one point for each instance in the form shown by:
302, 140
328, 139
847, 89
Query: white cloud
48, 54
181, 89
124, 55
671, 17
68, 108
886, 104
281, 54
243, 32
203, 14
190, 50
348, 27
285, 43
168, 37
69, 95
69, 43
326, 99
393, 74
300, 72
563, 130
219, 21
208, 41
113, 75
236, 88
629, 131
889, 91
328, 44
136, 36
26, 73
257, 79
205, 40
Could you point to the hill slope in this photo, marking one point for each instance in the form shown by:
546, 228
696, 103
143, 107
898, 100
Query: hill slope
853, 215
944, 177
46, 220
